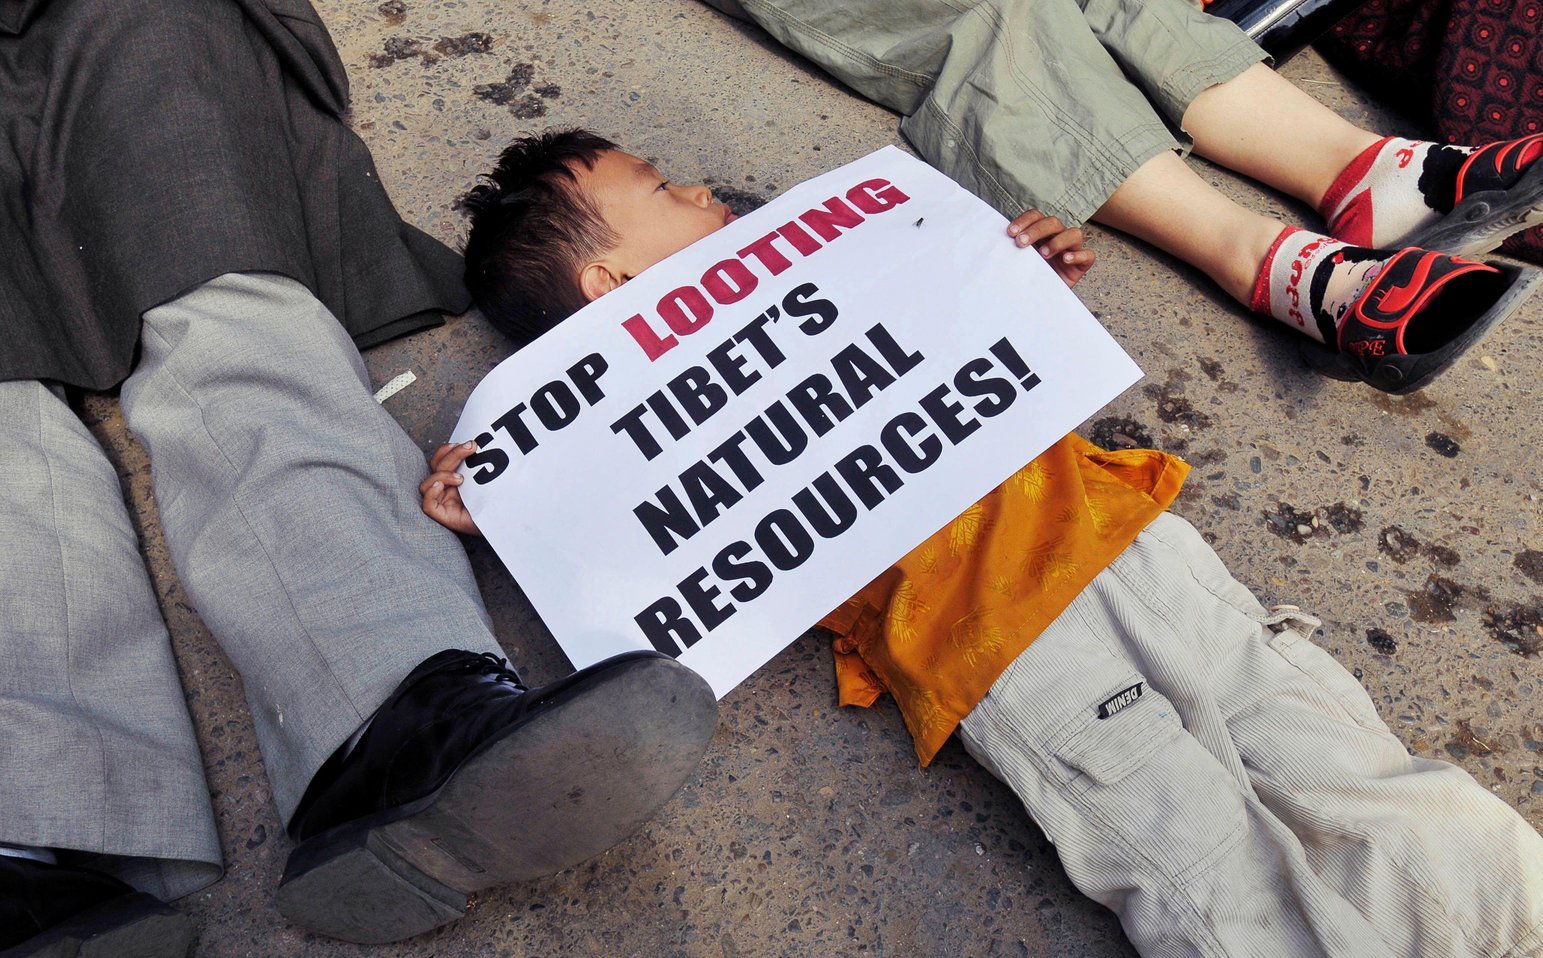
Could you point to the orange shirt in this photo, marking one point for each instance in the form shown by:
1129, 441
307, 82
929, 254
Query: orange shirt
940, 625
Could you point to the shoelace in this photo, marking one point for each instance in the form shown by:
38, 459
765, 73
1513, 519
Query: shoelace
499, 667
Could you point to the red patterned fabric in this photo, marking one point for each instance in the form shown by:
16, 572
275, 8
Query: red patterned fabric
1472, 70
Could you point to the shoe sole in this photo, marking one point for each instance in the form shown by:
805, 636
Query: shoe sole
576, 779
1425, 367
1484, 220
133, 926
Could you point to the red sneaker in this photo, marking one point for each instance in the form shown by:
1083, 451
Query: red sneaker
1499, 192
1423, 311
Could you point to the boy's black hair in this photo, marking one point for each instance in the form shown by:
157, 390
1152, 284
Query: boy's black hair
531, 231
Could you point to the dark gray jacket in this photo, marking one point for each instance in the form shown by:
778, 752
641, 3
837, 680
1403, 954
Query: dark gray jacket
148, 146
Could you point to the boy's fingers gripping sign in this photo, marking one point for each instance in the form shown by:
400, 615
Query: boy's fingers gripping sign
1031, 226
441, 490
448, 457
1061, 247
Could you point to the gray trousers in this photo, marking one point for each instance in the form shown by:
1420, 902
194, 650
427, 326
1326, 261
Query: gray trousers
289, 503
1026, 103
1248, 801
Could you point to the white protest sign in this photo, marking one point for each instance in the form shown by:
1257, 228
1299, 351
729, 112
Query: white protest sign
712, 457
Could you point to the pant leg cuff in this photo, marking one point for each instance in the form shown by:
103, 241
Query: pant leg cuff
1085, 195
1179, 89
1081, 191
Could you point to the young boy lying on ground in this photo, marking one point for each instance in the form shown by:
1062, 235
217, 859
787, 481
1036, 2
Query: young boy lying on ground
1206, 771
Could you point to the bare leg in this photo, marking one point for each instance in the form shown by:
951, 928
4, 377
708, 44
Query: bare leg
1168, 205
1261, 125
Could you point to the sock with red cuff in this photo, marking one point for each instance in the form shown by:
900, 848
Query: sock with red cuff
1309, 281
1399, 193
1393, 188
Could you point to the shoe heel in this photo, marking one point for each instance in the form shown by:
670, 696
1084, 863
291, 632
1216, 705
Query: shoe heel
352, 886
131, 926
160, 931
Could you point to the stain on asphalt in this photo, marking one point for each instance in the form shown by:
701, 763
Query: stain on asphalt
528, 107
1530, 563
1383, 642
515, 92
503, 92
464, 45
1443, 556
1116, 432
395, 11
1440, 597
1173, 407
397, 49
1466, 741
1289, 522
1397, 544
1211, 368
1410, 405
1344, 518
1299, 525
1519, 629
1443, 444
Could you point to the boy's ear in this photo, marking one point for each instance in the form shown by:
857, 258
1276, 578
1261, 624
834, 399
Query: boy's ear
597, 278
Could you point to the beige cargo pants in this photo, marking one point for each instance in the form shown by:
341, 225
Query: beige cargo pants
1245, 799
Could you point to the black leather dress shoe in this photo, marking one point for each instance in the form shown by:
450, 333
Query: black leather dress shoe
464, 779
57, 911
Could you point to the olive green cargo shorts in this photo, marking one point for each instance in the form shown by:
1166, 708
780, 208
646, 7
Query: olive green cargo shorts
1027, 103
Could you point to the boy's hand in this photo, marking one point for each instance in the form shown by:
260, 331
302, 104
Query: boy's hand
1061, 247
441, 490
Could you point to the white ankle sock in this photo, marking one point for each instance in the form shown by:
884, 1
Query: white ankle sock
1308, 281
1393, 188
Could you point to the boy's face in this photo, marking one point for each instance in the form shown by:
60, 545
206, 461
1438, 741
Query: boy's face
652, 217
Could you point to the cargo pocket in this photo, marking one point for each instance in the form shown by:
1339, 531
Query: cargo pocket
1148, 786
1327, 674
